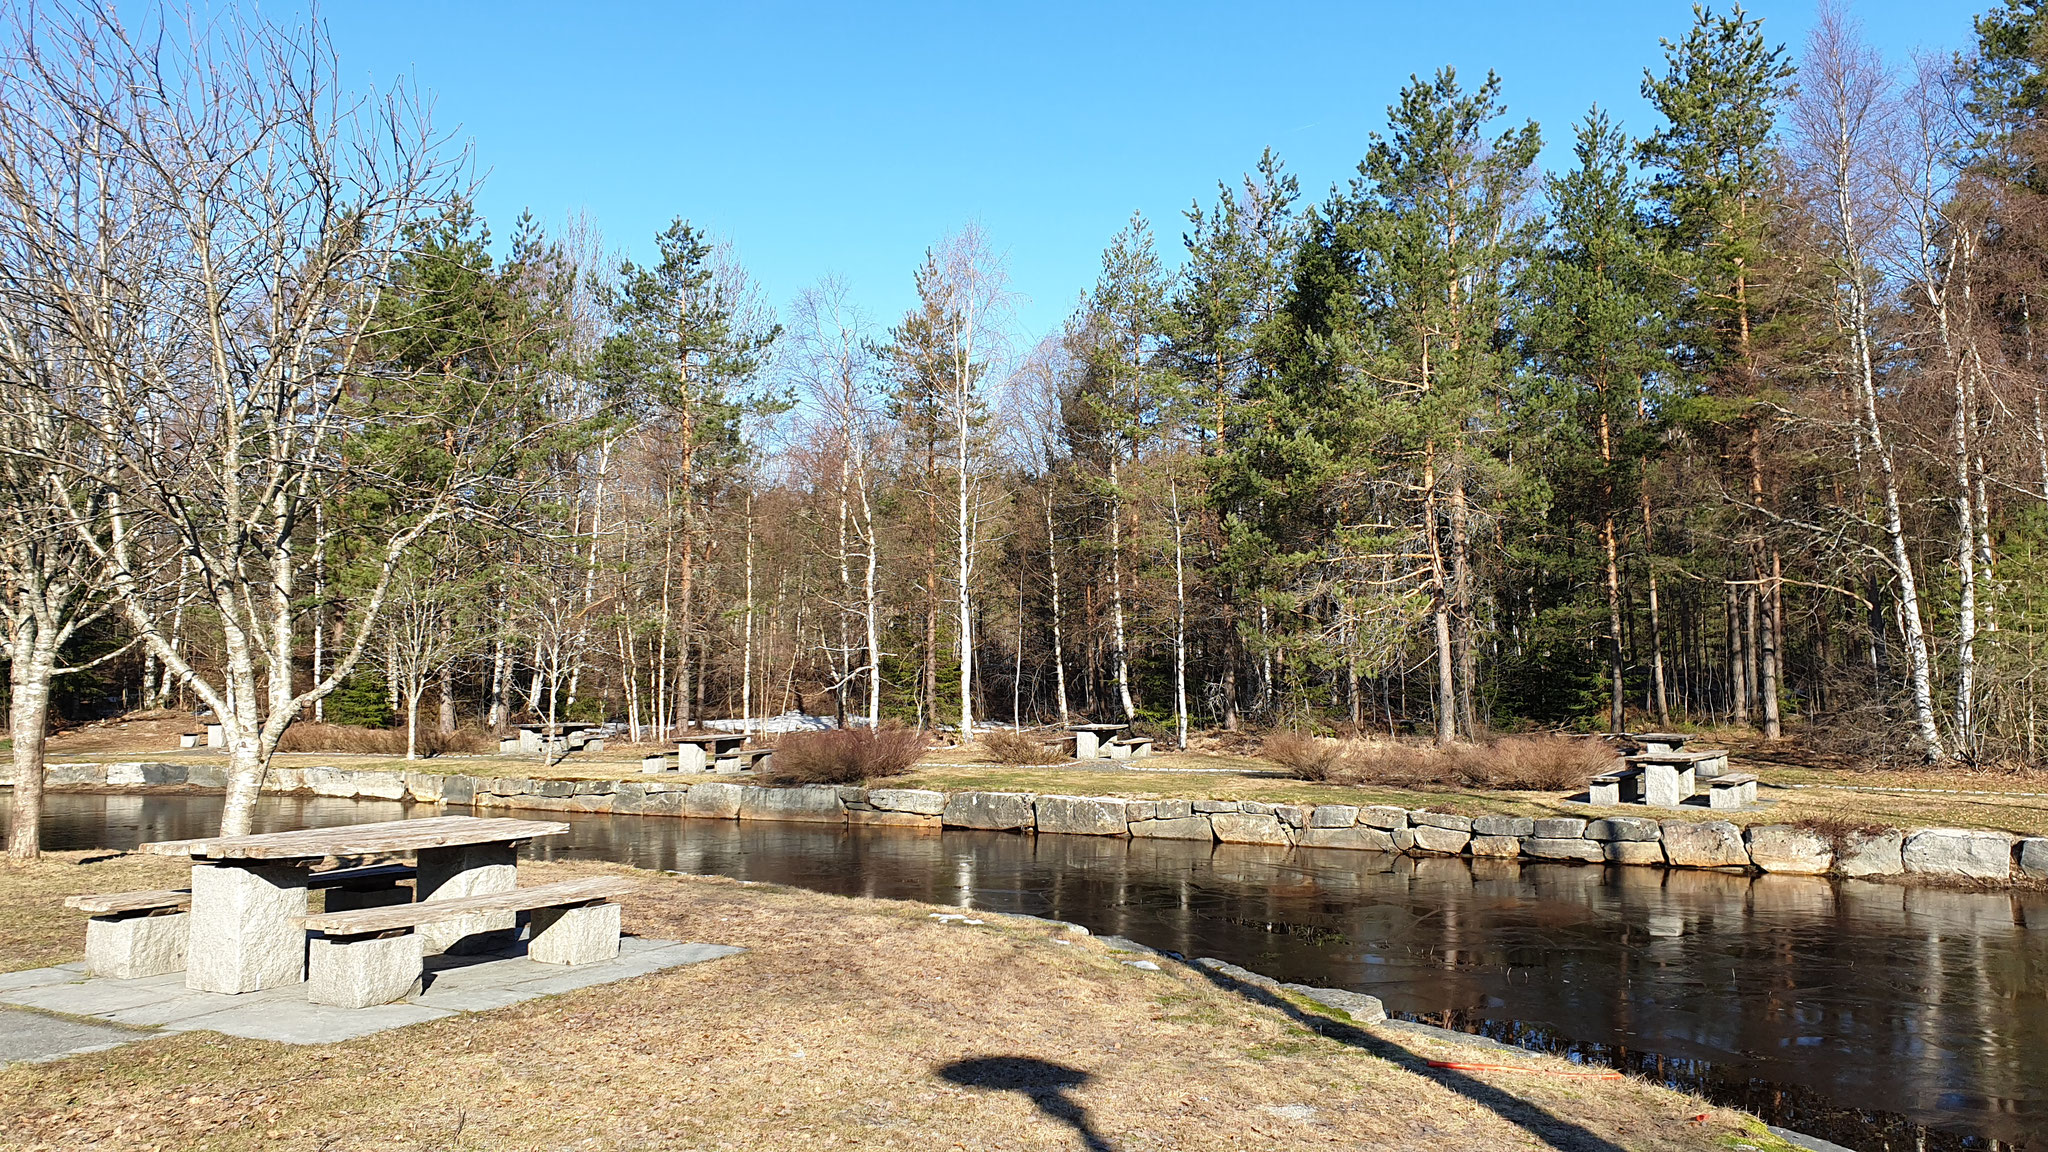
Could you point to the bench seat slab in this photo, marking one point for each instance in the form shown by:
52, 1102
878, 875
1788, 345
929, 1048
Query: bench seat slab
360, 972
129, 947
582, 935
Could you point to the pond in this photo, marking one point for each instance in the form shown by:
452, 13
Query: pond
1879, 1016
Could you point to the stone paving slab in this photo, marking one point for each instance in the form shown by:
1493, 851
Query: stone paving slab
97, 1014
35, 1036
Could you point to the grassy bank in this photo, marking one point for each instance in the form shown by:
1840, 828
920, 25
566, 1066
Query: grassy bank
848, 1023
1798, 784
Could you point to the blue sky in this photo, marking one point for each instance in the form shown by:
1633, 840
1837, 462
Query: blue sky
843, 139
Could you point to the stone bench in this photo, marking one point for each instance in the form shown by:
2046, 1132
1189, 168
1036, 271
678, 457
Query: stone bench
373, 955
1622, 786
1130, 747
129, 935
659, 762
743, 760
134, 934
190, 739
1735, 790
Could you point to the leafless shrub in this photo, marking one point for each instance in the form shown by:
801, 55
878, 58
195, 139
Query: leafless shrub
845, 755
1394, 765
1020, 748
306, 737
1309, 757
1514, 763
1543, 763
1840, 831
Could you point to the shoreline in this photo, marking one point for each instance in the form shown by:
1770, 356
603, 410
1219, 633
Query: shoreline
1662, 838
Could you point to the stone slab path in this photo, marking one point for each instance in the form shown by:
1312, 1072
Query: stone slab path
73, 1013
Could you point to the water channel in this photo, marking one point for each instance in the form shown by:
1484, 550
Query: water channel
1882, 1017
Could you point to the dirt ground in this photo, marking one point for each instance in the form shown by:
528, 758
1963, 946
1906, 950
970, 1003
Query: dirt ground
848, 1023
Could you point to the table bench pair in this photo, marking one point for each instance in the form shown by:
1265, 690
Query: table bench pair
694, 758
129, 935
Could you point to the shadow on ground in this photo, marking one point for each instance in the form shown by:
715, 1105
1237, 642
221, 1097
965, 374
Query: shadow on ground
1044, 1082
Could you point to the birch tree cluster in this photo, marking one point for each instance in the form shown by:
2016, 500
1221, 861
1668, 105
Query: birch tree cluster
1736, 418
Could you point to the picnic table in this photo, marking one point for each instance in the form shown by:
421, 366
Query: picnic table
249, 891
1089, 738
533, 737
708, 750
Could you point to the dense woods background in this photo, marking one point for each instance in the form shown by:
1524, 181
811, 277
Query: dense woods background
1737, 422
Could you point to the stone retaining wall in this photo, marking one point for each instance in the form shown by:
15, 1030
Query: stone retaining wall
1947, 853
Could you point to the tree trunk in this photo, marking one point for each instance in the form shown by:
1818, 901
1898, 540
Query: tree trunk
1059, 653
447, 693
1461, 576
1661, 696
1771, 633
1120, 657
1616, 721
32, 666
1180, 632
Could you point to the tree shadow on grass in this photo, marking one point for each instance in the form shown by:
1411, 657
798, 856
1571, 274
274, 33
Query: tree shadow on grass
1044, 1082
1552, 1130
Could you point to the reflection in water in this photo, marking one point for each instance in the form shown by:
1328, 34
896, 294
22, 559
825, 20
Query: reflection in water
1852, 1010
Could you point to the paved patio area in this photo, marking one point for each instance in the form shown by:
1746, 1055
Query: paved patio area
61, 1011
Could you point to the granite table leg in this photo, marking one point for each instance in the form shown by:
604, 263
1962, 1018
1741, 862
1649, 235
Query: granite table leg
467, 870
1667, 785
1086, 745
242, 938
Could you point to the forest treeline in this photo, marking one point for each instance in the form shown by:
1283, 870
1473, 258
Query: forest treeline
1738, 420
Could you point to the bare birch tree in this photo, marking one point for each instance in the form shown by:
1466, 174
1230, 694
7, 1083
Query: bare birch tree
1843, 118
230, 386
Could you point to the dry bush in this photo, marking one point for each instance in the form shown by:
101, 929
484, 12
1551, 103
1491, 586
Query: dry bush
1838, 831
1513, 763
1015, 749
309, 737
1308, 757
1392, 765
845, 755
1544, 763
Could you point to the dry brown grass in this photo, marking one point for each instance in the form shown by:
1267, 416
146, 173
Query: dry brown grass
845, 755
38, 929
835, 1030
1544, 763
1020, 748
308, 737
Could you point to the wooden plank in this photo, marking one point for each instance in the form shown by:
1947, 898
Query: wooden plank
360, 921
1731, 781
376, 839
721, 738
1674, 757
114, 903
374, 874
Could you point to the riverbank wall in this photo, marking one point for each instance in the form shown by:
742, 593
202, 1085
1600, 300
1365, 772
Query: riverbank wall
1662, 841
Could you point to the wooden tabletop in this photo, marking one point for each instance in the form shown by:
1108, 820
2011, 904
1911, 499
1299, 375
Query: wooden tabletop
360, 839
713, 738
1097, 727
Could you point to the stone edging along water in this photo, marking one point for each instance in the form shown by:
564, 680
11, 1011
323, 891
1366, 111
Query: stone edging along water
1934, 853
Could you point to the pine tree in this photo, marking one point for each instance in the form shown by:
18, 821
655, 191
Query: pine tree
1596, 333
